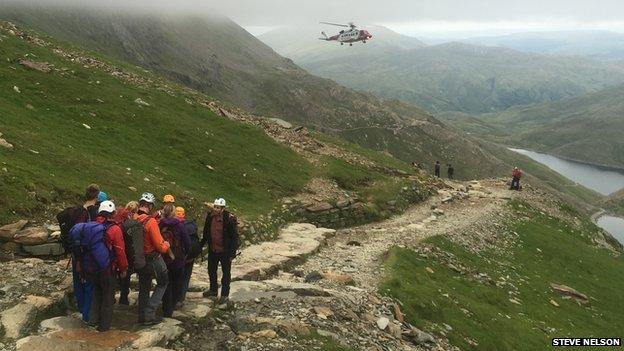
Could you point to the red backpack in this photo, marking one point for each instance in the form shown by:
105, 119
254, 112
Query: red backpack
175, 243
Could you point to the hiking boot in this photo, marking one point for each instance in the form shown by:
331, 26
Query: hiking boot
224, 300
210, 294
152, 321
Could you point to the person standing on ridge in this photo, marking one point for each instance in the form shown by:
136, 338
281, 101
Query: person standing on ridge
221, 234
436, 169
450, 171
153, 247
101, 314
516, 174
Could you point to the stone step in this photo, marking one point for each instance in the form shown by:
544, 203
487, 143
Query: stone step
68, 333
260, 261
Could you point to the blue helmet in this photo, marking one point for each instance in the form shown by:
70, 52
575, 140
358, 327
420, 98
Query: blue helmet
102, 196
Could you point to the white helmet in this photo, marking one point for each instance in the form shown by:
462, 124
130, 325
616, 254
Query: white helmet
106, 206
148, 197
219, 202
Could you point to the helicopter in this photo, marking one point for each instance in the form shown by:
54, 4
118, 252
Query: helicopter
349, 36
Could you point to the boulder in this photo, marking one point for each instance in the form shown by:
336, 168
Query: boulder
338, 278
49, 249
281, 123
169, 329
419, 337
7, 232
5, 144
568, 291
343, 203
37, 66
382, 323
17, 319
140, 102
11, 247
319, 207
32, 236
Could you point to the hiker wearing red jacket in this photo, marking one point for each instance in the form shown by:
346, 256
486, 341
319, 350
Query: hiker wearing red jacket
101, 313
516, 174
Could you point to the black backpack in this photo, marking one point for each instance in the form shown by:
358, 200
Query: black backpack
191, 229
133, 232
67, 218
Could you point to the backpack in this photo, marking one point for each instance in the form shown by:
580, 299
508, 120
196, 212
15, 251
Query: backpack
90, 247
134, 232
191, 230
174, 241
67, 218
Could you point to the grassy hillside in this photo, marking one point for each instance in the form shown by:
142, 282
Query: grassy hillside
77, 120
456, 76
587, 128
220, 58
502, 299
78, 125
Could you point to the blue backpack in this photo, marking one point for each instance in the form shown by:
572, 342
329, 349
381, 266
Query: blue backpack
89, 247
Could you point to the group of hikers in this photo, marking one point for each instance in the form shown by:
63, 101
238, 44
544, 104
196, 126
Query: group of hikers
450, 171
516, 174
108, 244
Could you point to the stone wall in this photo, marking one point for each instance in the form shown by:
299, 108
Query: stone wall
21, 240
333, 213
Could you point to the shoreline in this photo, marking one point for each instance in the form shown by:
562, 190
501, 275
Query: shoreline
612, 168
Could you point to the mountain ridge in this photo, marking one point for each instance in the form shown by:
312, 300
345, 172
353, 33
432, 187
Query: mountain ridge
459, 76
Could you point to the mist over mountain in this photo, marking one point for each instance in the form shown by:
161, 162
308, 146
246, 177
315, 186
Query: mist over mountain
452, 76
297, 43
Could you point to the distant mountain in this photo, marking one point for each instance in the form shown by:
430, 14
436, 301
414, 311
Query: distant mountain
451, 76
588, 128
218, 57
600, 45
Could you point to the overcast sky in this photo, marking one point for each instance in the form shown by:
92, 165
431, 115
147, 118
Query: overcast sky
414, 17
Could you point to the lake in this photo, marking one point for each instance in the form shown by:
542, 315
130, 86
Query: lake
614, 225
599, 179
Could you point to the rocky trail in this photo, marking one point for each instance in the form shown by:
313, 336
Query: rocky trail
310, 284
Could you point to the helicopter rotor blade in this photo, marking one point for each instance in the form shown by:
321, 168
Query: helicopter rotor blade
336, 24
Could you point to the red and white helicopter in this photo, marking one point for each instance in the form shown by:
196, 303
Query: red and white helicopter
349, 36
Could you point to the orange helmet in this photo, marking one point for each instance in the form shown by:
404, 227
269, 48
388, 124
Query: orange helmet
179, 212
168, 198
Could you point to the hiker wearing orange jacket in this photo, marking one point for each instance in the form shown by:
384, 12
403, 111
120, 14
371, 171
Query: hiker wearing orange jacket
154, 246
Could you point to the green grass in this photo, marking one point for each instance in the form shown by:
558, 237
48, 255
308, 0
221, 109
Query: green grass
349, 176
379, 158
326, 342
170, 142
566, 257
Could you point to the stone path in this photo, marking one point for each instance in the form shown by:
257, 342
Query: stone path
311, 281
